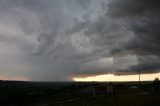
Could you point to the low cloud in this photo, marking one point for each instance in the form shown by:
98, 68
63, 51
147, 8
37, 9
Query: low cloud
56, 40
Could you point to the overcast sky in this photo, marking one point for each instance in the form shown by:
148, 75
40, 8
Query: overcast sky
56, 40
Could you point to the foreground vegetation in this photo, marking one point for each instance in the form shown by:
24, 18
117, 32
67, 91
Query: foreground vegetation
70, 94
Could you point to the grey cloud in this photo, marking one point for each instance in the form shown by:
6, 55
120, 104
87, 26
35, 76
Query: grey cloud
20, 42
57, 42
146, 64
143, 18
82, 3
41, 28
127, 27
121, 8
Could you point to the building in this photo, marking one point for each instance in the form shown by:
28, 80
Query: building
99, 89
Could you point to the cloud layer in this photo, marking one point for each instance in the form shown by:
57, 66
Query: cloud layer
56, 40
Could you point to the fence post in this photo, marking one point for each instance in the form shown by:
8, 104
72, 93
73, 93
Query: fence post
83, 103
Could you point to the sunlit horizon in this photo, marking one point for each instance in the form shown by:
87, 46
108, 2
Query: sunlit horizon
14, 78
122, 78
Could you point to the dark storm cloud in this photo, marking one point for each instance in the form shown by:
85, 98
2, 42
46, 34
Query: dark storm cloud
143, 18
34, 32
121, 8
147, 64
128, 27
60, 39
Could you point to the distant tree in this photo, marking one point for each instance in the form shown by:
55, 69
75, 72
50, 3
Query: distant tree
156, 85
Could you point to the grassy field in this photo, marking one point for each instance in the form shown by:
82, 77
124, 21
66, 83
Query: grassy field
107, 100
70, 94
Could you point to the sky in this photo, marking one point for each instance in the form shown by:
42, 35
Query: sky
62, 40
